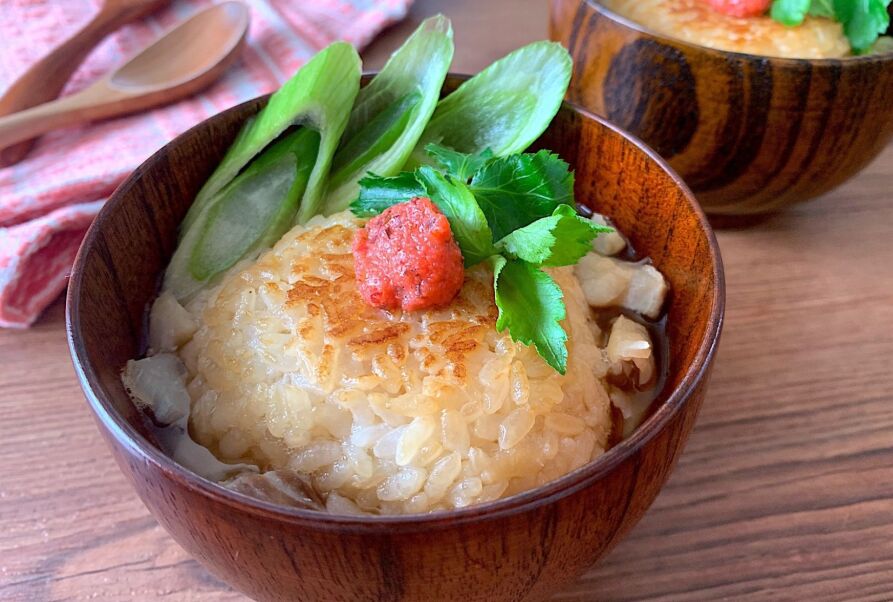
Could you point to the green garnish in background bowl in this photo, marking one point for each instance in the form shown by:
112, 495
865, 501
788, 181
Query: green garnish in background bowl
863, 20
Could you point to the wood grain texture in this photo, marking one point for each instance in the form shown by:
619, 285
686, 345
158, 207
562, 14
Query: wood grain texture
749, 134
783, 492
520, 548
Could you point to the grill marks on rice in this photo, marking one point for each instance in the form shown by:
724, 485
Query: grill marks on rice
392, 412
379, 337
362, 329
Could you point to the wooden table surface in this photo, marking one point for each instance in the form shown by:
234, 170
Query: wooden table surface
785, 490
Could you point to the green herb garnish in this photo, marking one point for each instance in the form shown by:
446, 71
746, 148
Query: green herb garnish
531, 306
562, 238
863, 20
515, 212
790, 12
514, 191
377, 193
461, 165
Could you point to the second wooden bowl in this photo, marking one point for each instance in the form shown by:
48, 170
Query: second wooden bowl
749, 134
520, 548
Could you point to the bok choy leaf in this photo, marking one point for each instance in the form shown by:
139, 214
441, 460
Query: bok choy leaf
248, 215
504, 108
240, 209
319, 95
391, 112
258, 207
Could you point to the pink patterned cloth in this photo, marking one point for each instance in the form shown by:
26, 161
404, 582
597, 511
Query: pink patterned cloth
48, 200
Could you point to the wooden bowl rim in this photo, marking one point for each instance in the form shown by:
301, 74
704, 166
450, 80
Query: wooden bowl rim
139, 447
776, 61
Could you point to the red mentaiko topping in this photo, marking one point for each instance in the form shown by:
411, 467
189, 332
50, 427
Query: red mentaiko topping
406, 258
740, 8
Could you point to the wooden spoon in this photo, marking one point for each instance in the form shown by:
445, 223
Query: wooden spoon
178, 64
44, 80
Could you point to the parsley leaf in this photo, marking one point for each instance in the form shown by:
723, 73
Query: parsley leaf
523, 201
517, 190
531, 306
558, 175
789, 12
467, 222
560, 239
863, 20
459, 165
377, 193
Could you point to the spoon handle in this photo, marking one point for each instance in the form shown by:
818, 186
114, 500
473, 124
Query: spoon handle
76, 108
46, 78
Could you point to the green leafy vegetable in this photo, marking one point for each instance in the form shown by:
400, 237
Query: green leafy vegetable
466, 219
278, 183
516, 190
377, 193
863, 20
505, 107
379, 133
319, 95
560, 239
789, 12
391, 112
531, 306
248, 214
459, 165
256, 208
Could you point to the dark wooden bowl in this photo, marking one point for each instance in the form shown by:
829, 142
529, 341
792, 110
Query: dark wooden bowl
749, 134
523, 547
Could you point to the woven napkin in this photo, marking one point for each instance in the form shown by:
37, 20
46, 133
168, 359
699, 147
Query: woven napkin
48, 200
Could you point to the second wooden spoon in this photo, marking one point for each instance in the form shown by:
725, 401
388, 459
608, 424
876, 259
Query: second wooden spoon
184, 60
